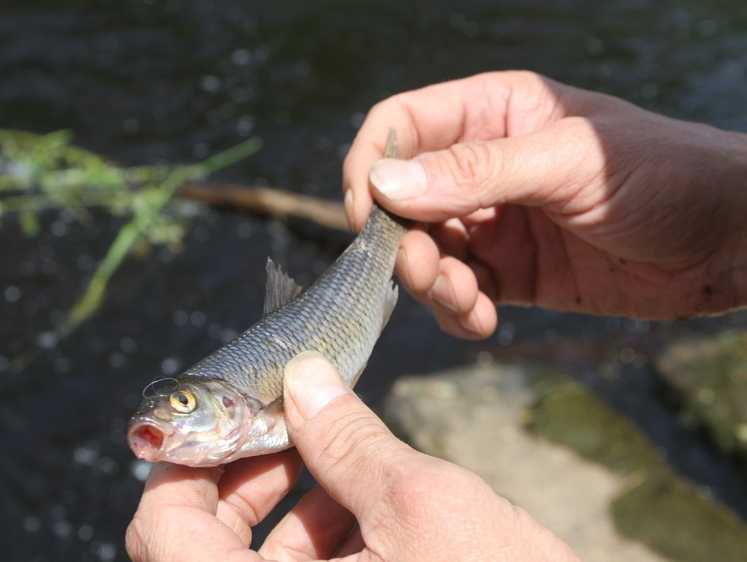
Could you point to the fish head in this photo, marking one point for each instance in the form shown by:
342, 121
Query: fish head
192, 421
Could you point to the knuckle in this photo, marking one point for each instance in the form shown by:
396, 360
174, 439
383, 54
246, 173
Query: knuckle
353, 437
467, 161
472, 166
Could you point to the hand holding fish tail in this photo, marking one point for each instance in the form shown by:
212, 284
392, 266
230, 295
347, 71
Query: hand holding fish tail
532, 192
377, 498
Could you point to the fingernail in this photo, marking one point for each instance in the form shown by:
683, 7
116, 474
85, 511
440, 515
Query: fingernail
312, 382
399, 180
349, 205
402, 266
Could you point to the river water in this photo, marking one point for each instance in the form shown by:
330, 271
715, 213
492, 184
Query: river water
174, 81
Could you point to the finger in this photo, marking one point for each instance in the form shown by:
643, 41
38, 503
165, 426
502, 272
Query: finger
552, 168
479, 323
437, 280
427, 119
455, 288
417, 262
452, 238
175, 519
406, 113
250, 488
313, 529
345, 445
183, 486
486, 106
448, 285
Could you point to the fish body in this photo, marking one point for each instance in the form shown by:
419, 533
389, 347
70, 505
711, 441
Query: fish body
229, 405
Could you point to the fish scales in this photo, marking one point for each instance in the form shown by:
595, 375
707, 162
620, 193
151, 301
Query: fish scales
340, 316
229, 405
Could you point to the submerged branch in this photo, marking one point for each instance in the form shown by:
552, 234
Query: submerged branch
268, 201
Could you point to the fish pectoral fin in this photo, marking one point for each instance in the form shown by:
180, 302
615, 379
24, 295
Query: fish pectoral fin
280, 289
274, 413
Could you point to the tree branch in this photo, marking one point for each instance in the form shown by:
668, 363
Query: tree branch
268, 201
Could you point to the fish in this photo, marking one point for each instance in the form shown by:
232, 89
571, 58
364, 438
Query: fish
229, 405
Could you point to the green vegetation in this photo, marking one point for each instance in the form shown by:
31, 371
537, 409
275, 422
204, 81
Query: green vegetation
45, 172
657, 506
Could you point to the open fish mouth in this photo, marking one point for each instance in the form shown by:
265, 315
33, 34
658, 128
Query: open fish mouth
147, 440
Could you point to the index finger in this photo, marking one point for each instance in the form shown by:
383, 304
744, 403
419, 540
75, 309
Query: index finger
180, 502
184, 486
431, 118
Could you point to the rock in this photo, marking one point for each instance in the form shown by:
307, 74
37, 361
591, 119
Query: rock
656, 506
477, 417
710, 376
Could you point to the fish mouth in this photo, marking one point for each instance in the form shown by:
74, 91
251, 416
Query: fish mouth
146, 440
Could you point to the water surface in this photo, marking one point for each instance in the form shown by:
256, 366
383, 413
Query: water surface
174, 81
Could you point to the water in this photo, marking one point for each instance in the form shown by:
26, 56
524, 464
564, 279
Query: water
166, 81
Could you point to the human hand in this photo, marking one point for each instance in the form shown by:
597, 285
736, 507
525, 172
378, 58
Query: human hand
537, 193
377, 498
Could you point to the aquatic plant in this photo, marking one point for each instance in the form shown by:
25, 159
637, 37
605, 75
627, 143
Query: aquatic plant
46, 172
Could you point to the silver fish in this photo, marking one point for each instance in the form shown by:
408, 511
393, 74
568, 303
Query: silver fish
229, 405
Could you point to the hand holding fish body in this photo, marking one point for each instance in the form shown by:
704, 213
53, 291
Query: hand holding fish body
229, 405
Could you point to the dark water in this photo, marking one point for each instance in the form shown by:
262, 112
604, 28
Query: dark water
174, 81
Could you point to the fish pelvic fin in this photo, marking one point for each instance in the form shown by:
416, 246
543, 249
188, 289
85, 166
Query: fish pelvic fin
280, 290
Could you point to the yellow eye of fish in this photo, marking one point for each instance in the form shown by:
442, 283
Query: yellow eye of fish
183, 401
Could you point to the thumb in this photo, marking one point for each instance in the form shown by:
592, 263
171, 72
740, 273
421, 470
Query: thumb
546, 168
345, 446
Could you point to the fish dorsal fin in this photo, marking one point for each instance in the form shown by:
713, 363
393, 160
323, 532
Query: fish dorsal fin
280, 289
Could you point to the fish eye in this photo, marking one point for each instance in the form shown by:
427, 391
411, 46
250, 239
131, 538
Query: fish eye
183, 401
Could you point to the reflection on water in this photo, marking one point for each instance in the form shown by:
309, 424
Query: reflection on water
173, 81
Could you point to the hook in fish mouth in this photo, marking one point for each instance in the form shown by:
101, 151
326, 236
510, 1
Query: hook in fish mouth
150, 391
198, 422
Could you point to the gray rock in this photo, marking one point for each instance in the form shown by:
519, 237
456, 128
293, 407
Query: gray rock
474, 417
